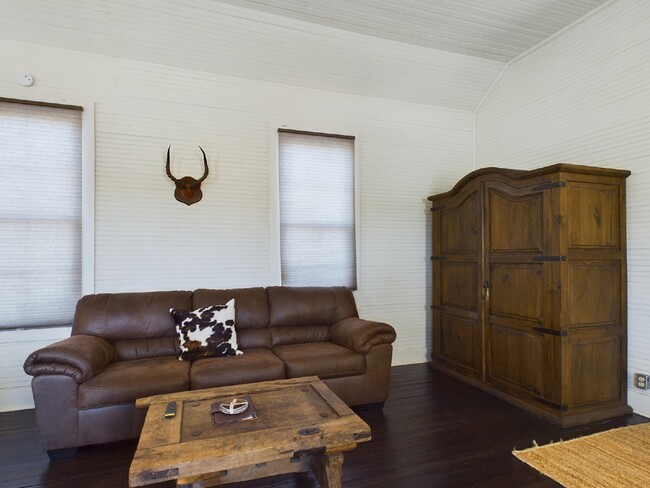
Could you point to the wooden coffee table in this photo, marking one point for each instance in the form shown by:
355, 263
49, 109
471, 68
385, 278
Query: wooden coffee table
301, 425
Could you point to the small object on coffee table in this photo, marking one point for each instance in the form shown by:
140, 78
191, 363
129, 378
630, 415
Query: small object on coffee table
170, 411
234, 407
243, 409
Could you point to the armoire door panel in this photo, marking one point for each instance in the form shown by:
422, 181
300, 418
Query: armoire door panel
516, 357
594, 216
459, 227
460, 341
516, 291
515, 222
594, 368
594, 293
459, 285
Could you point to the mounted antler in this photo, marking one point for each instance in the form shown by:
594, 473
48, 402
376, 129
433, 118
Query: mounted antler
188, 190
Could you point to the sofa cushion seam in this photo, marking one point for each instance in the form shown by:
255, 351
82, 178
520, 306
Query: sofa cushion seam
199, 375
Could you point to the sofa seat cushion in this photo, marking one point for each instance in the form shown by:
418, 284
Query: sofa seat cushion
254, 365
322, 359
126, 381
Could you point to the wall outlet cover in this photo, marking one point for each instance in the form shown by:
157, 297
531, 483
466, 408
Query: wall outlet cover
641, 381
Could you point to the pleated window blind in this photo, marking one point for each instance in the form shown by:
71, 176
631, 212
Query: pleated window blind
317, 210
40, 214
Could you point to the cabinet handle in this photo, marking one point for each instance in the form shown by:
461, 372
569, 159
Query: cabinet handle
486, 291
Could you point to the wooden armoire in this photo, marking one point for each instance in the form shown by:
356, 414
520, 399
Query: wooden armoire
529, 288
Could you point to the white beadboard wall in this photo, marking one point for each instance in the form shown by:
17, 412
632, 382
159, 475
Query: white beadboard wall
146, 240
584, 97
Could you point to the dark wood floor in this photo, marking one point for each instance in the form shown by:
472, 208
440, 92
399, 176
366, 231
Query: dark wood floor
434, 431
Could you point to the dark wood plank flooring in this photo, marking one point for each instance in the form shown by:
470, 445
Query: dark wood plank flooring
434, 431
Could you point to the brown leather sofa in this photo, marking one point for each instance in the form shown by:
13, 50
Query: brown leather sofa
124, 346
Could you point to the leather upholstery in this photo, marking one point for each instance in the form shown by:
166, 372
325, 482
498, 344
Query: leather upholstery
299, 334
309, 305
254, 365
116, 316
152, 347
126, 381
322, 359
57, 413
124, 346
371, 387
251, 306
79, 357
361, 335
110, 423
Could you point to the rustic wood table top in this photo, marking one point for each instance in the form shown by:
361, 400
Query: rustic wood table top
300, 425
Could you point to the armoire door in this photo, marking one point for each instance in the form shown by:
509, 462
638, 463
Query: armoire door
456, 276
595, 287
518, 282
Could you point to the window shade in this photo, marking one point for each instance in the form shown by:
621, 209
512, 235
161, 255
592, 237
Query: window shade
317, 214
40, 214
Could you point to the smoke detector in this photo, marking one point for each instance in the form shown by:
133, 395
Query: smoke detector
26, 80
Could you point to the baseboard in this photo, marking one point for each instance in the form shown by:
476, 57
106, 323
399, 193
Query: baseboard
640, 402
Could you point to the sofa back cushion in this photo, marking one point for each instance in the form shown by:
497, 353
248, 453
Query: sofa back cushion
153, 347
251, 313
138, 325
305, 314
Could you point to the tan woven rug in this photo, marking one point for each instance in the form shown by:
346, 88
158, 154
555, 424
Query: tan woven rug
615, 458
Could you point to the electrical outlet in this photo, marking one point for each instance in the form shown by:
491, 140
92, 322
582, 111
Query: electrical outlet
642, 381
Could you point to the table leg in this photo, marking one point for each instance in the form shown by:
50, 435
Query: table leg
328, 469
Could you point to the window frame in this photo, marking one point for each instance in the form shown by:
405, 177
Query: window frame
275, 260
87, 189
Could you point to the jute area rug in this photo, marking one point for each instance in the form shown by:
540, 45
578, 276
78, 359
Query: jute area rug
615, 458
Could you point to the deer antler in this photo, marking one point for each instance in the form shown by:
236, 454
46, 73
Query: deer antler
205, 164
169, 171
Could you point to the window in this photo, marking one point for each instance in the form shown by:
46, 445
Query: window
40, 214
317, 209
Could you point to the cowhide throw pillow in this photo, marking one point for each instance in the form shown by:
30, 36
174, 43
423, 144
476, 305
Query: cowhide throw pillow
207, 332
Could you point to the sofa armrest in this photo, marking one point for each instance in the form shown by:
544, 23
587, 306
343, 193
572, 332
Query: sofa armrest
361, 335
81, 357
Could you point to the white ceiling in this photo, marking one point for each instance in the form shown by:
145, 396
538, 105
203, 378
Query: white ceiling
498, 30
